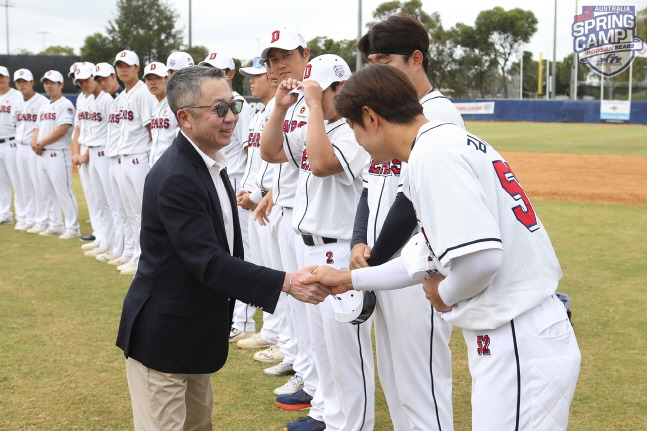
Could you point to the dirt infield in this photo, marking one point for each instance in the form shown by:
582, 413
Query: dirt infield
617, 180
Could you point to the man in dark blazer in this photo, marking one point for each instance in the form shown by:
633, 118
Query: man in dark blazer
176, 316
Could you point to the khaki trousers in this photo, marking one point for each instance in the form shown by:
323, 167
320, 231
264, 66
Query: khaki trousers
168, 401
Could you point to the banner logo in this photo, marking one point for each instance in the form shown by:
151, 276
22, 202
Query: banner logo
604, 37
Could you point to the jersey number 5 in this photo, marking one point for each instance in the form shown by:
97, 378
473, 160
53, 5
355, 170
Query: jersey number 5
525, 216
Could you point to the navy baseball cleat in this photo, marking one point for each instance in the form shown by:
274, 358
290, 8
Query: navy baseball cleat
296, 401
87, 238
305, 423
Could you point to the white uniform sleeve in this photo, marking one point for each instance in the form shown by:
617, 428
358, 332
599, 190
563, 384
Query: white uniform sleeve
388, 276
145, 103
241, 131
65, 113
469, 275
351, 155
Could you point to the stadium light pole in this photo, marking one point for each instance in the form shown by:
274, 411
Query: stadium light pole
190, 24
358, 57
6, 6
554, 81
43, 33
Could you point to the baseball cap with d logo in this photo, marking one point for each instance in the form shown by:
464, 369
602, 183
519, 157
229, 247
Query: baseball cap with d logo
128, 57
23, 74
287, 39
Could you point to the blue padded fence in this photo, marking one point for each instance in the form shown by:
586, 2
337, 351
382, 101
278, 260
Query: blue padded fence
559, 111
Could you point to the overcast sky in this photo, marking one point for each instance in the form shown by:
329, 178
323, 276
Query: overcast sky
241, 27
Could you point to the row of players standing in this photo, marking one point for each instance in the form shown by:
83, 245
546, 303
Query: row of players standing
308, 217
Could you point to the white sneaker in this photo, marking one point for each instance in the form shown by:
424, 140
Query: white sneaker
90, 245
123, 266
37, 228
295, 384
94, 252
21, 225
117, 261
254, 342
236, 334
269, 356
70, 234
131, 269
50, 232
280, 370
106, 257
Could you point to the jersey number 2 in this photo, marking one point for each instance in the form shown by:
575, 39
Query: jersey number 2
525, 216
329, 258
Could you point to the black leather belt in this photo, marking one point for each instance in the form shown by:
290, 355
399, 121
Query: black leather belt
309, 240
2, 141
264, 192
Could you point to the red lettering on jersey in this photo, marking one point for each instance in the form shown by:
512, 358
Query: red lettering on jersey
510, 184
4, 109
48, 116
275, 36
483, 345
306, 73
254, 140
396, 167
329, 259
305, 164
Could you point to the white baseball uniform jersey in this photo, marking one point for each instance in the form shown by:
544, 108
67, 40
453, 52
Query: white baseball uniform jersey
256, 167
164, 128
518, 335
326, 206
136, 111
27, 189
9, 102
56, 161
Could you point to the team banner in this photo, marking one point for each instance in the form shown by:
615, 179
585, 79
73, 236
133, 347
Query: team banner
475, 108
615, 111
604, 37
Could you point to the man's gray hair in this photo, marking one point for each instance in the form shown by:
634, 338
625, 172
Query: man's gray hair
184, 88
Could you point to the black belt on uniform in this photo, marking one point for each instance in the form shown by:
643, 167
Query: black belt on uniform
264, 192
308, 240
2, 141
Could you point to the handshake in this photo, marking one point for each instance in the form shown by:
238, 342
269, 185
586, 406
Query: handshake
312, 284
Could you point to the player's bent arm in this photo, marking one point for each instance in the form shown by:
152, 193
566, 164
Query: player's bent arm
57, 134
321, 155
470, 274
272, 137
396, 230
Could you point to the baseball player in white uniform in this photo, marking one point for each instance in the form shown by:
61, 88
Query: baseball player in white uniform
92, 137
105, 76
487, 262
329, 184
250, 193
164, 126
133, 148
403, 42
50, 140
10, 99
28, 190
178, 60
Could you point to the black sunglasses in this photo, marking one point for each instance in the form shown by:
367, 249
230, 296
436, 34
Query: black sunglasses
223, 107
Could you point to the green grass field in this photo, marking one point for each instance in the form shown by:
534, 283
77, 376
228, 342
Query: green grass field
59, 312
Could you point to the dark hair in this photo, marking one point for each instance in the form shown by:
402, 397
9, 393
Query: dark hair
398, 34
334, 85
184, 88
384, 89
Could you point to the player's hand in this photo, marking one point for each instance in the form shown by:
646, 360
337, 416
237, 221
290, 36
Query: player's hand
84, 158
312, 293
312, 92
75, 159
283, 98
243, 201
339, 281
430, 285
359, 255
38, 148
263, 210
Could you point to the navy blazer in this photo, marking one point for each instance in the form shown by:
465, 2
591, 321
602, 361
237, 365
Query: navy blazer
177, 313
